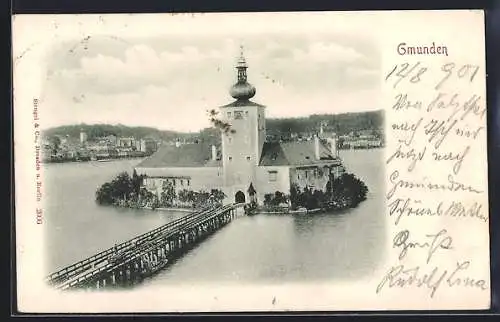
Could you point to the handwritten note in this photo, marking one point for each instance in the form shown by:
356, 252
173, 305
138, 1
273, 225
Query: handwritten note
436, 192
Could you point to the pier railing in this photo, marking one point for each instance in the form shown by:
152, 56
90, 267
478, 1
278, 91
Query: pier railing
85, 264
132, 251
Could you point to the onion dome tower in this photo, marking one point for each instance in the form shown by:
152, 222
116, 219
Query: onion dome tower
242, 148
242, 90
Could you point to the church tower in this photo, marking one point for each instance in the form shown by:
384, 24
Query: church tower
242, 146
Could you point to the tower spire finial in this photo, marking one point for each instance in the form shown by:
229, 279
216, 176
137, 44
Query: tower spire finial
242, 63
242, 90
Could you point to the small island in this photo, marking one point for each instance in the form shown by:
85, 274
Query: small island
128, 191
124, 190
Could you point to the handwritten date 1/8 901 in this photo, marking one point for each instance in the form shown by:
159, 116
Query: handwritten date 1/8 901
415, 72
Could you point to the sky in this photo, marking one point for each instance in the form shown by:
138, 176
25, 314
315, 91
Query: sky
169, 81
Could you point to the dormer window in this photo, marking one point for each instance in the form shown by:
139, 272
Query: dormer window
238, 115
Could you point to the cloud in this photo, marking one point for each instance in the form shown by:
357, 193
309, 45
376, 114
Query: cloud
322, 52
140, 66
169, 84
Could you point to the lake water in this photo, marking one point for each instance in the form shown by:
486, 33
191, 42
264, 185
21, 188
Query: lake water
257, 249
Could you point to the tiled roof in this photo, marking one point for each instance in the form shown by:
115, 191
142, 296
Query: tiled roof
186, 155
295, 154
239, 103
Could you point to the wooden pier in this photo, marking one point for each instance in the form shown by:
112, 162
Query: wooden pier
131, 261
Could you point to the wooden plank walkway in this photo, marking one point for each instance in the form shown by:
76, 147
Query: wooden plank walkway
144, 255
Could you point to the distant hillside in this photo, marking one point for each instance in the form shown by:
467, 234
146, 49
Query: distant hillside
338, 123
100, 130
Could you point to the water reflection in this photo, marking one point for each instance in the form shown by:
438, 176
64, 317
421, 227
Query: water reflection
259, 249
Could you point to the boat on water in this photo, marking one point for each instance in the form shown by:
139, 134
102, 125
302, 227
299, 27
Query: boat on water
301, 210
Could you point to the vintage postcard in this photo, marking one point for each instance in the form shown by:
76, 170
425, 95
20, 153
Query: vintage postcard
231, 162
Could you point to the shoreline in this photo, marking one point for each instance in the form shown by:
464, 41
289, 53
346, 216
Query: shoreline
167, 209
285, 211
145, 156
298, 212
88, 161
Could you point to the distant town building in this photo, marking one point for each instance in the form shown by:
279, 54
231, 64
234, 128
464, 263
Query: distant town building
83, 137
246, 166
148, 145
111, 139
126, 142
360, 141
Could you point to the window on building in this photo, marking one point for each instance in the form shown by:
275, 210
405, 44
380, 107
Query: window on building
273, 176
305, 173
246, 113
230, 158
248, 158
189, 182
228, 115
182, 182
238, 115
230, 139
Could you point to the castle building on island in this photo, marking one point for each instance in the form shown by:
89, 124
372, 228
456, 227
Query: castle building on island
245, 167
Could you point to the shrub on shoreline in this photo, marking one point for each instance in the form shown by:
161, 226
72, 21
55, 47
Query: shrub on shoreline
345, 191
128, 191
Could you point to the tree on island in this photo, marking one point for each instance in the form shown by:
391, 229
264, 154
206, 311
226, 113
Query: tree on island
345, 191
347, 188
275, 199
105, 194
118, 190
168, 194
217, 195
218, 123
136, 182
123, 186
